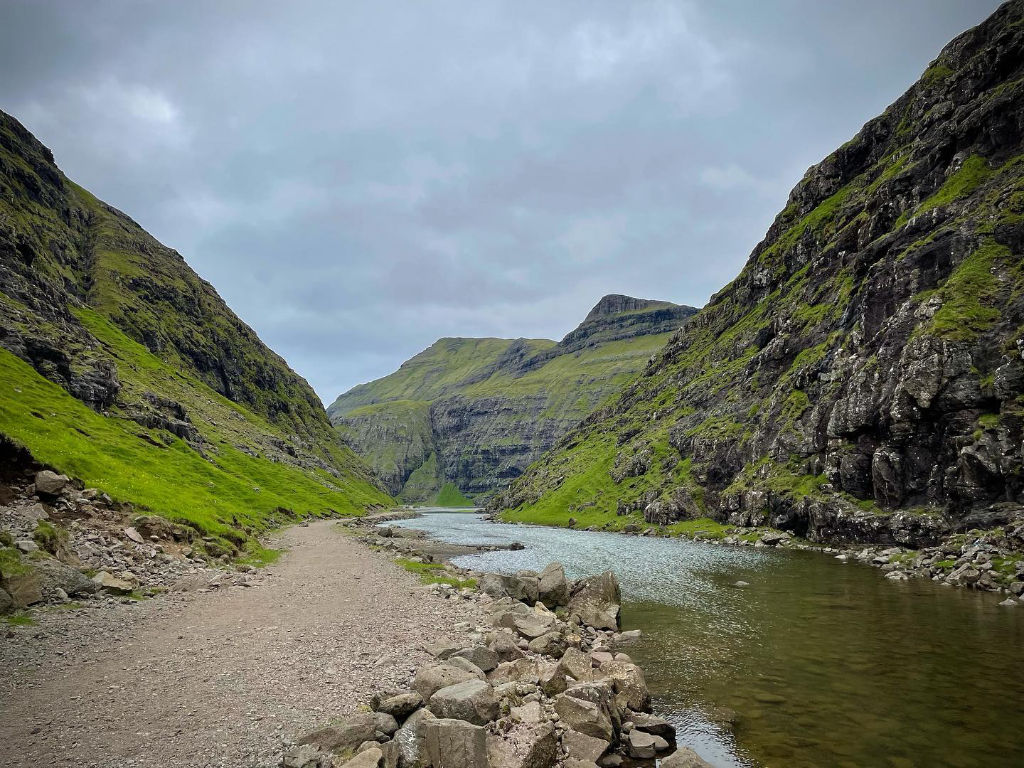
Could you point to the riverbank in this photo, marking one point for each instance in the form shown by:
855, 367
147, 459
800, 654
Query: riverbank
220, 675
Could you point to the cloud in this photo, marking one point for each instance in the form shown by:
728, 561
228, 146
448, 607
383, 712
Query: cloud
360, 179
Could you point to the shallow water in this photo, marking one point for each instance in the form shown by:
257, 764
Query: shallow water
819, 663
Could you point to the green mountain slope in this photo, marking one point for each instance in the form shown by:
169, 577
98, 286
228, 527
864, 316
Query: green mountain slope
862, 377
473, 413
119, 365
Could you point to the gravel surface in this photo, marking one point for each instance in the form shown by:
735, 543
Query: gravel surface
219, 677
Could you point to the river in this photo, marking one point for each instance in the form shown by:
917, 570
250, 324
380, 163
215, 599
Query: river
816, 662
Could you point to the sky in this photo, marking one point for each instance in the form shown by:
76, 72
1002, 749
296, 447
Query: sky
359, 179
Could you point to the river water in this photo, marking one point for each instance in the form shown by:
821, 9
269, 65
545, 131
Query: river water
817, 662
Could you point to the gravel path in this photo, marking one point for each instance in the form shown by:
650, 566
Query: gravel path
218, 678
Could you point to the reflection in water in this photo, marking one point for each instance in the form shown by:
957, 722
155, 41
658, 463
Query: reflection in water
816, 663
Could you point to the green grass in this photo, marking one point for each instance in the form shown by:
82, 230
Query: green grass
965, 180
434, 573
451, 496
160, 472
703, 527
970, 302
20, 619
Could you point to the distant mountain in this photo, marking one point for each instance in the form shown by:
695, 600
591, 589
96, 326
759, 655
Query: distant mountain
474, 413
862, 377
120, 366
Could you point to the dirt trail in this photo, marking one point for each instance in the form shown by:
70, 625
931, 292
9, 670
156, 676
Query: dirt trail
218, 678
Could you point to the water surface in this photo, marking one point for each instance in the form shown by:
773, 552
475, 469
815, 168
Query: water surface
817, 662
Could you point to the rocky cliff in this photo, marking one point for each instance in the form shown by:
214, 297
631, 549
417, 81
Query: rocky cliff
862, 378
121, 366
477, 412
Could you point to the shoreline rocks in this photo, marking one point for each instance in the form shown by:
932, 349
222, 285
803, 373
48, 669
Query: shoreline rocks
540, 685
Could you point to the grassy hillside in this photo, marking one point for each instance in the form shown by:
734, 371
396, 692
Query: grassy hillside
862, 377
122, 367
472, 413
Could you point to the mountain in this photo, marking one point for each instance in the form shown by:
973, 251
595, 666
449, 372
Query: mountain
465, 416
121, 367
862, 377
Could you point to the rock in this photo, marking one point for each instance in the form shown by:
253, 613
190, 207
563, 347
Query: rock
554, 587
384, 725
742, 584
305, 756
774, 538
596, 601
21, 582
443, 650
460, 662
401, 705
533, 626
134, 535
369, 758
627, 638
113, 583
26, 546
519, 671
551, 679
684, 757
346, 735
1008, 602
654, 725
50, 484
56, 577
6, 601
628, 683
504, 645
410, 739
584, 716
583, 747
549, 644
525, 745
576, 664
455, 744
530, 712
492, 584
480, 656
431, 678
601, 657
643, 745
473, 701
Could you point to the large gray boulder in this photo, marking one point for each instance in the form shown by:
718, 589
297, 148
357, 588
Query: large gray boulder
473, 701
549, 644
400, 705
431, 678
19, 579
659, 726
481, 656
368, 758
305, 756
576, 664
684, 757
628, 683
583, 747
596, 600
347, 735
411, 739
54, 575
6, 601
533, 625
584, 716
644, 746
49, 483
455, 744
554, 587
524, 745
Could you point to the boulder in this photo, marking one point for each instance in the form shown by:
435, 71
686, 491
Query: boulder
525, 745
411, 739
305, 756
372, 757
455, 744
628, 683
400, 705
113, 583
529, 712
460, 662
431, 678
549, 644
554, 587
6, 601
596, 601
551, 679
20, 581
684, 757
480, 656
533, 626
473, 701
504, 646
654, 724
346, 735
492, 584
583, 747
644, 746
55, 575
519, 671
576, 664
50, 484
443, 650
586, 717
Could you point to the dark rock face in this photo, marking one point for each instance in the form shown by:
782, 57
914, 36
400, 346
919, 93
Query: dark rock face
420, 429
869, 358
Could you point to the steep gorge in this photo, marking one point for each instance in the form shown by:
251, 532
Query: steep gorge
862, 378
474, 413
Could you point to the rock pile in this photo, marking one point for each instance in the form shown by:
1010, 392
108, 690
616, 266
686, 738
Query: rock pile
544, 684
59, 542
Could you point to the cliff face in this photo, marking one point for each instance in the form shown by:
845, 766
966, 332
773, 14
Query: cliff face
99, 309
477, 412
862, 377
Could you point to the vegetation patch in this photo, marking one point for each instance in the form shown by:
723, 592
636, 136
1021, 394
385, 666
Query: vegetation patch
451, 496
434, 573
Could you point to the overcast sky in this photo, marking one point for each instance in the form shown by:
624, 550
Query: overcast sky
358, 179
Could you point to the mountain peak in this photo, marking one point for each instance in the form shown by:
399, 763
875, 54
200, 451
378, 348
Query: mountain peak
616, 303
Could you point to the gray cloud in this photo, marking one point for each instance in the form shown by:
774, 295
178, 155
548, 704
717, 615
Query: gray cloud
358, 179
